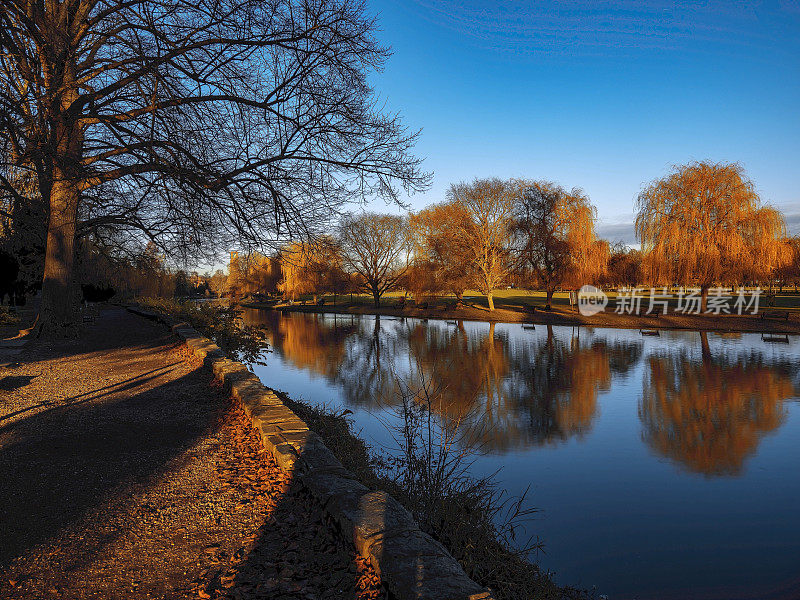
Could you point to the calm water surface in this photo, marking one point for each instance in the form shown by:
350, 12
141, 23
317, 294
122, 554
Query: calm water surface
662, 467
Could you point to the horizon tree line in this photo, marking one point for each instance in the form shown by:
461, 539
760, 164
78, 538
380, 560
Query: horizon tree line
491, 233
701, 225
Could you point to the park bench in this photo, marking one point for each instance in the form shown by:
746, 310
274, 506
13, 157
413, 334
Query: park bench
775, 338
90, 312
652, 314
321, 301
780, 315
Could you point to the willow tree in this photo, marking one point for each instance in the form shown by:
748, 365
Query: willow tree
309, 267
263, 274
789, 273
705, 224
485, 230
555, 237
191, 123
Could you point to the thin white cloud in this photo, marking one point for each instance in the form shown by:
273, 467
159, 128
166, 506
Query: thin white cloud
575, 27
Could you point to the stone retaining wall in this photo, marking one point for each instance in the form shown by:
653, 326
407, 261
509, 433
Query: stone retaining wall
410, 562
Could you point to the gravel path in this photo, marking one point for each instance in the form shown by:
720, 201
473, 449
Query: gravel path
126, 473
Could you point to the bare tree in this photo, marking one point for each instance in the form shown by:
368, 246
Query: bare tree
555, 236
375, 248
192, 122
486, 230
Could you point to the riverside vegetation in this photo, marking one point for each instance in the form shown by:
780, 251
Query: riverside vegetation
217, 321
475, 520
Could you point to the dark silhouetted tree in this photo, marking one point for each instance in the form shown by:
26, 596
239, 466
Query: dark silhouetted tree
191, 123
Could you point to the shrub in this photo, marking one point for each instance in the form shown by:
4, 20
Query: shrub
217, 321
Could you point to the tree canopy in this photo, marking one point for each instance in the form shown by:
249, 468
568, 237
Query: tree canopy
375, 248
439, 248
704, 223
488, 206
192, 122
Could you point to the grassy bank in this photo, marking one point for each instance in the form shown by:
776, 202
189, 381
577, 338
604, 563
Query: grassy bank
520, 306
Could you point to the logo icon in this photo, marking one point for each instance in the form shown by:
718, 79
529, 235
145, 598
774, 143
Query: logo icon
591, 300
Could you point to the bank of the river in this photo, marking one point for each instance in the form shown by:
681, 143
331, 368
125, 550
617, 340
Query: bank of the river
411, 563
560, 315
128, 473
608, 429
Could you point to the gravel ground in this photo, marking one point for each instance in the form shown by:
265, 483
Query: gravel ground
126, 473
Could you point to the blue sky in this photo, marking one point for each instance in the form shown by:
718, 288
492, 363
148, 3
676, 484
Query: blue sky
605, 96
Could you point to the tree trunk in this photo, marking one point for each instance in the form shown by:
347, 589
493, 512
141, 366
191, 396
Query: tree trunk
704, 297
491, 301
62, 191
704, 346
57, 314
459, 299
548, 298
377, 298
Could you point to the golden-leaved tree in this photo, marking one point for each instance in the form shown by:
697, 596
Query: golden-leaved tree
310, 267
486, 230
704, 224
442, 257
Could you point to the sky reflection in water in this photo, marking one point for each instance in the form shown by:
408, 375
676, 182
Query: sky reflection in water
663, 467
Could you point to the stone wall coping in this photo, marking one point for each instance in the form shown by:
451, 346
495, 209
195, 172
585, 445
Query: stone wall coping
410, 562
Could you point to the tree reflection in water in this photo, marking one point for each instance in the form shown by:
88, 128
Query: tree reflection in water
709, 413
539, 389
307, 341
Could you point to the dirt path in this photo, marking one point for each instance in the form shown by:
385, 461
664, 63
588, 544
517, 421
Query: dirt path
126, 474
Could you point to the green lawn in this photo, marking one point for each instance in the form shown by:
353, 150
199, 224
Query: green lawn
517, 298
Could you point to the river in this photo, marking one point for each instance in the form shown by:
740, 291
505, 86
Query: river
661, 466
